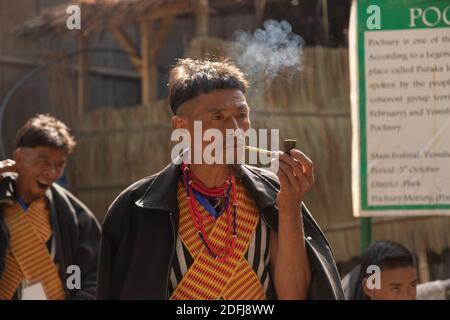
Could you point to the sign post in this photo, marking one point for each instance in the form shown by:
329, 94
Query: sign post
400, 96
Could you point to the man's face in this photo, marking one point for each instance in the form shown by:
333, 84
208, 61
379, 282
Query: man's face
219, 109
37, 169
396, 284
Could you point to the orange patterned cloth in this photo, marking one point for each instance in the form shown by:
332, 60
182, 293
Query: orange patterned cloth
208, 278
28, 257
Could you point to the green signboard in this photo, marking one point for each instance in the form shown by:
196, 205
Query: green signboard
400, 78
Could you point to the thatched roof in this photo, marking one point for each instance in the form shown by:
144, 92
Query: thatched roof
98, 15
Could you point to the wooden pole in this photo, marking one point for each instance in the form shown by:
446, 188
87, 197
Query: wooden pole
260, 7
201, 18
365, 233
127, 45
149, 67
151, 44
424, 269
325, 21
161, 35
83, 76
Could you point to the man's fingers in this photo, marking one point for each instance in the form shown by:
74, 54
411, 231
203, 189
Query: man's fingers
7, 162
287, 170
301, 181
293, 170
296, 166
7, 165
308, 175
306, 164
284, 180
303, 159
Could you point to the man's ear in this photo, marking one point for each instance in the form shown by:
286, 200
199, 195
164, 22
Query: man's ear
18, 156
179, 122
366, 290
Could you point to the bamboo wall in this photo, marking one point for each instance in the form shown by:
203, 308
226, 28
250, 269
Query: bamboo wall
117, 147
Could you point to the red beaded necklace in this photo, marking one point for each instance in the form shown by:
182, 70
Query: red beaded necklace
227, 190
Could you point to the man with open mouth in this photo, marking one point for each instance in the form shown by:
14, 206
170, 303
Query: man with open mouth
48, 239
214, 230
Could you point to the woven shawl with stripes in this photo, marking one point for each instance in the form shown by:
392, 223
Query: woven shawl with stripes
208, 278
27, 258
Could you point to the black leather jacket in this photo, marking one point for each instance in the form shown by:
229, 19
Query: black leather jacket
140, 229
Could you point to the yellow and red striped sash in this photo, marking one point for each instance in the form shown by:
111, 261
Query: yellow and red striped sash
28, 257
208, 278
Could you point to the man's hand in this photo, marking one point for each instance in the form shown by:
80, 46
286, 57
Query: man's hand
296, 174
289, 260
7, 166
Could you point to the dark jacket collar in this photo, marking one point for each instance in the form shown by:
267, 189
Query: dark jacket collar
161, 194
